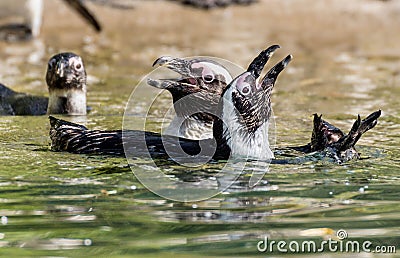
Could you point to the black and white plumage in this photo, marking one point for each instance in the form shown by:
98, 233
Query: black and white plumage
240, 123
325, 137
246, 109
66, 81
75, 138
195, 94
230, 124
338, 145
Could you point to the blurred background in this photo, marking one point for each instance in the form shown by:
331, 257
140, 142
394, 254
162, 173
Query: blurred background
340, 42
346, 62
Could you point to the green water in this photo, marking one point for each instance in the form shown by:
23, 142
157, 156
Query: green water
65, 205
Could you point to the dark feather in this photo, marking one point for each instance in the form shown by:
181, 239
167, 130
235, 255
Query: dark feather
79, 6
75, 138
333, 142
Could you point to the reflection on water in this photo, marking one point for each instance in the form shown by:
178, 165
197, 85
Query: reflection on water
347, 62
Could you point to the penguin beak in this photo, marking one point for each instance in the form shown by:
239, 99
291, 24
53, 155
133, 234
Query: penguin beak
257, 65
178, 65
250, 97
268, 82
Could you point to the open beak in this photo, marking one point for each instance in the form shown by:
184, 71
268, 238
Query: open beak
268, 82
256, 109
257, 65
178, 65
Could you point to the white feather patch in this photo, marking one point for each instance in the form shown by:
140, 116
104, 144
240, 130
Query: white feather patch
242, 143
189, 128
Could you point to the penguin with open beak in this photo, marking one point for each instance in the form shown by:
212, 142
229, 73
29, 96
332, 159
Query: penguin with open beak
195, 94
325, 137
240, 125
245, 110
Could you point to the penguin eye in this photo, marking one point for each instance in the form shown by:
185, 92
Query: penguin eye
208, 78
78, 66
244, 89
76, 63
